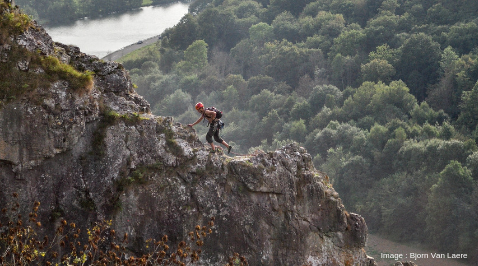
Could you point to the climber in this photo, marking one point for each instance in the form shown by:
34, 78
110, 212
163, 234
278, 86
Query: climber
210, 115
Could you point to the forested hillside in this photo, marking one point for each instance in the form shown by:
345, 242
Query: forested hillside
383, 94
65, 11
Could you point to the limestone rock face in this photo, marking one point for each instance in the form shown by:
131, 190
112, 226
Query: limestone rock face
100, 154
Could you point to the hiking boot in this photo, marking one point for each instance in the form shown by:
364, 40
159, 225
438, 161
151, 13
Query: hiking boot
212, 151
229, 149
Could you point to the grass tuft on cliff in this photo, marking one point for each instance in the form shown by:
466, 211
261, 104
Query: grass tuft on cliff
57, 70
23, 71
12, 21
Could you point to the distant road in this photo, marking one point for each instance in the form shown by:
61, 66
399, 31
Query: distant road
130, 48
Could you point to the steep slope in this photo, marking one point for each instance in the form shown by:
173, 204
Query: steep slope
88, 149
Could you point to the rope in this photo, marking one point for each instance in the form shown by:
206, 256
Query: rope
238, 154
234, 153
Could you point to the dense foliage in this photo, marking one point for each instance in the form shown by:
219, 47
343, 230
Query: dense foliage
22, 243
383, 94
64, 11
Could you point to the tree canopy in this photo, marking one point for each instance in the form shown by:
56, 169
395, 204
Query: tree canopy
383, 95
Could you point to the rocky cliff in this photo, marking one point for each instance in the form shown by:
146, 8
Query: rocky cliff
97, 153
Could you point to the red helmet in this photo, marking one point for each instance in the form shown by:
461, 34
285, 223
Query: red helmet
199, 105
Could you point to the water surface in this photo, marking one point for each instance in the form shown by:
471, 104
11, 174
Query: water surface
101, 36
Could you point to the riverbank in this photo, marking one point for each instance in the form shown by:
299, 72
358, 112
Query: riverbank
381, 248
114, 56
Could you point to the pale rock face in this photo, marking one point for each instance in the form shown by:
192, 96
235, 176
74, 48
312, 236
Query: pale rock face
152, 176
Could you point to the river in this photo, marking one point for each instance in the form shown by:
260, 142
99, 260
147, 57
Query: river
101, 36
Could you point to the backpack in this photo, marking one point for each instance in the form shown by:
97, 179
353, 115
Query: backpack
218, 113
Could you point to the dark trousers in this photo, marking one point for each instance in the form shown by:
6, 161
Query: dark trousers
213, 131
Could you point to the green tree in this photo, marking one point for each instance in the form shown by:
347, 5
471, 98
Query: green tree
378, 136
419, 63
301, 110
472, 165
377, 70
247, 9
241, 127
463, 37
287, 62
295, 130
345, 71
269, 125
320, 30
389, 6
320, 140
286, 26
345, 7
320, 95
246, 56
357, 105
329, 25
231, 98
446, 93
260, 82
195, 57
261, 103
381, 30
384, 52
350, 174
469, 109
313, 8
449, 202
210, 84
447, 131
380, 101
405, 211
423, 113
449, 60
240, 95
197, 6
183, 34
68, 9
261, 33
157, 87
294, 7
411, 154
393, 101
306, 27
168, 57
322, 119
149, 67
283, 104
190, 84
174, 104
438, 14
218, 27
349, 43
